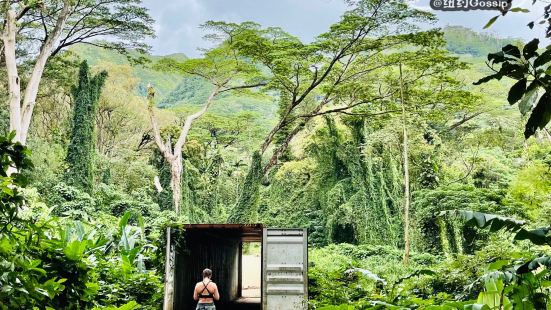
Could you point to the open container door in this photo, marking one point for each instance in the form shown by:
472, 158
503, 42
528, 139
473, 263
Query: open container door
214, 246
285, 269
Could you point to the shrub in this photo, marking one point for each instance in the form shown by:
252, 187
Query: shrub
68, 200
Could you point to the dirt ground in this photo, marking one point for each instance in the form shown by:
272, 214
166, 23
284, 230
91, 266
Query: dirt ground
251, 275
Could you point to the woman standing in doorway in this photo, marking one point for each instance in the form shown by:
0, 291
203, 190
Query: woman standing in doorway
206, 292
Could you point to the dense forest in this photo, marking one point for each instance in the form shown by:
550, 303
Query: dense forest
417, 157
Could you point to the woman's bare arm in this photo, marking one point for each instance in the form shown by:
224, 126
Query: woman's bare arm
216, 293
195, 295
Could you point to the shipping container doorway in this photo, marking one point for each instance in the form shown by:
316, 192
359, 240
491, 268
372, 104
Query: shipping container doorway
251, 271
218, 247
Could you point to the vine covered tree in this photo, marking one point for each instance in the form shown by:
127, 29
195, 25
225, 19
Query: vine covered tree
80, 153
243, 212
321, 77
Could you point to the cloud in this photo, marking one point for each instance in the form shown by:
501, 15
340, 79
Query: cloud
178, 21
176, 25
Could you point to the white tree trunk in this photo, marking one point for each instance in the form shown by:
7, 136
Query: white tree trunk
190, 119
157, 183
14, 87
31, 92
174, 156
176, 169
169, 273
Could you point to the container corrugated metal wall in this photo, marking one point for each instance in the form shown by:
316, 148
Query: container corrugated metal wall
285, 269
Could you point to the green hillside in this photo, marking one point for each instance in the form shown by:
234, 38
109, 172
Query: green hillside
462, 40
176, 91
163, 82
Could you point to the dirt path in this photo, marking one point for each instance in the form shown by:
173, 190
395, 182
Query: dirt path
251, 276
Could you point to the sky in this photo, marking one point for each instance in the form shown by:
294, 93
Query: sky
177, 21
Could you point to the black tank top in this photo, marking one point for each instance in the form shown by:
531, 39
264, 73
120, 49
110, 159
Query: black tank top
205, 287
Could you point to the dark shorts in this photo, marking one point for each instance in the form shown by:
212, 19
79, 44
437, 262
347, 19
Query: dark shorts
206, 306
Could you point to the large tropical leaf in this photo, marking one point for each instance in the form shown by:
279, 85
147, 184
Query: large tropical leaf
124, 221
544, 261
540, 116
527, 102
517, 91
539, 236
416, 273
484, 220
493, 297
530, 49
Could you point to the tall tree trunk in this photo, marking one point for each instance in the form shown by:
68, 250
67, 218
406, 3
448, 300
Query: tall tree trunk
14, 86
21, 115
270, 137
31, 91
176, 169
173, 155
406, 172
169, 273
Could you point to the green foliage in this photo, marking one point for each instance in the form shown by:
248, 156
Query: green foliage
118, 286
115, 202
531, 185
439, 235
71, 266
70, 201
81, 150
367, 277
291, 199
338, 192
528, 65
62, 263
355, 276
4, 122
245, 209
509, 285
12, 156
